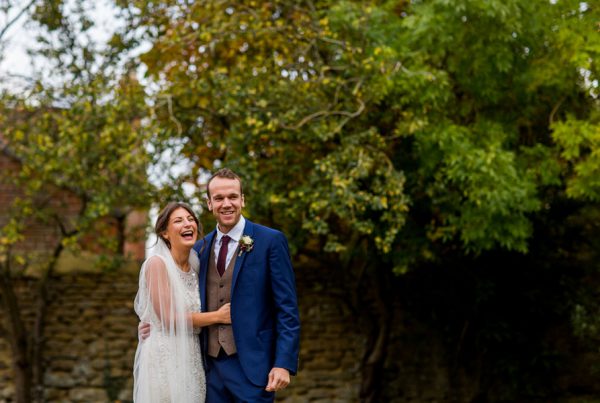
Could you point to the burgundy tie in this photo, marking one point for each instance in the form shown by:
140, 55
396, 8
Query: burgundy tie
222, 255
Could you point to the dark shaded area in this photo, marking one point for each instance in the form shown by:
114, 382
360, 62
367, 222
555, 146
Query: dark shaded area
500, 326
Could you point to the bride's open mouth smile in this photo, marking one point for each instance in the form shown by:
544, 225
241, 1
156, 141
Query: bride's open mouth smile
188, 235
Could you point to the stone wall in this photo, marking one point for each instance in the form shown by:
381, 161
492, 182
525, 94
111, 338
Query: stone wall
91, 341
92, 336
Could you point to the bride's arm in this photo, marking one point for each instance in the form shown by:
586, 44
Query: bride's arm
199, 319
161, 299
159, 291
222, 315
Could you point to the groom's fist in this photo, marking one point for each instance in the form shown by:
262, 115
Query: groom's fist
279, 378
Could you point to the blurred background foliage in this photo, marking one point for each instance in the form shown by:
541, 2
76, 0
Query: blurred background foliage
448, 150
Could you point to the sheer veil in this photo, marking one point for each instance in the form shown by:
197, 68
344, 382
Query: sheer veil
163, 370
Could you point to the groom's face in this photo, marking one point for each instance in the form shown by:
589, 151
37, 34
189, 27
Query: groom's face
226, 202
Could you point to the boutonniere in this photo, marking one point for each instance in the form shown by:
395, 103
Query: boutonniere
246, 244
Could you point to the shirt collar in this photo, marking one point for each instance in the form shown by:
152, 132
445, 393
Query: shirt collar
235, 233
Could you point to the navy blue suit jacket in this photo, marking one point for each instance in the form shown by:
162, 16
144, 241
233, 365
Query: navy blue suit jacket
264, 306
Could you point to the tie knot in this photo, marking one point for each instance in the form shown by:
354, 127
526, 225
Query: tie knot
225, 240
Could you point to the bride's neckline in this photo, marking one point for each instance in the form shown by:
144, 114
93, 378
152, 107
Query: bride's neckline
188, 266
181, 269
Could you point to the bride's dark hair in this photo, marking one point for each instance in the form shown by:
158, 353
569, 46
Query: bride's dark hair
162, 222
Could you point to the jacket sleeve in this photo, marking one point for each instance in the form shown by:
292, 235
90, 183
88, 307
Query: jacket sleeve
283, 285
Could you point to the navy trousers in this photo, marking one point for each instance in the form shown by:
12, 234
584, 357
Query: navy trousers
226, 382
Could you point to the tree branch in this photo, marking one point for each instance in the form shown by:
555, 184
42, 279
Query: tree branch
16, 18
348, 115
554, 110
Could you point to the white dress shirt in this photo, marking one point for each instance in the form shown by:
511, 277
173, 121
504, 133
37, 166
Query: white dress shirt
235, 234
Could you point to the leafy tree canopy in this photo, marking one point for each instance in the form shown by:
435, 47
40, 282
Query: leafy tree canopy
411, 125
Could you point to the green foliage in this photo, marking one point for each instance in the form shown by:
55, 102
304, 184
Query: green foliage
341, 115
397, 133
579, 142
479, 153
490, 197
269, 90
80, 149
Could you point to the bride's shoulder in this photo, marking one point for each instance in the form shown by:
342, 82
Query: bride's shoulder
155, 259
154, 262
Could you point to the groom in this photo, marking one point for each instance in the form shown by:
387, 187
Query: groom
248, 265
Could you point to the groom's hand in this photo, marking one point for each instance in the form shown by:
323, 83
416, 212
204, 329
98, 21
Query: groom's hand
143, 331
279, 378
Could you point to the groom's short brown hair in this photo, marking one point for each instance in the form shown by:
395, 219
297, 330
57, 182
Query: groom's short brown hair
224, 173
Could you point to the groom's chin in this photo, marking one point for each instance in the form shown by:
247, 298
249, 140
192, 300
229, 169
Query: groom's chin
227, 220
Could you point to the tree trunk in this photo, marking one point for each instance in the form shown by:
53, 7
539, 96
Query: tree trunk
121, 228
37, 342
38, 339
17, 338
371, 299
378, 338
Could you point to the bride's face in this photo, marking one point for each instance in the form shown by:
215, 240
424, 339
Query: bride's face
182, 229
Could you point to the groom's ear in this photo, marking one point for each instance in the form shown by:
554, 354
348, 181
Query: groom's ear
208, 203
243, 201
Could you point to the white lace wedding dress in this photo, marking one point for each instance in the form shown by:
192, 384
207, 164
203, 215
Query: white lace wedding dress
168, 364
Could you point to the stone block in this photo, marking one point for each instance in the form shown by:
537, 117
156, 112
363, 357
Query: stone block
59, 380
86, 395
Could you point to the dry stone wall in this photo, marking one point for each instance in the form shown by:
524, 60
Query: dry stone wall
91, 337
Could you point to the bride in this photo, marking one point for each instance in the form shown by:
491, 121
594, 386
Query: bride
168, 363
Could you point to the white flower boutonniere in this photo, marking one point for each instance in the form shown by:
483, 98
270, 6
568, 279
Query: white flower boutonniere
246, 244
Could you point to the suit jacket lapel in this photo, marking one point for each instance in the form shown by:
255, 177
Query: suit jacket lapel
208, 244
248, 230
